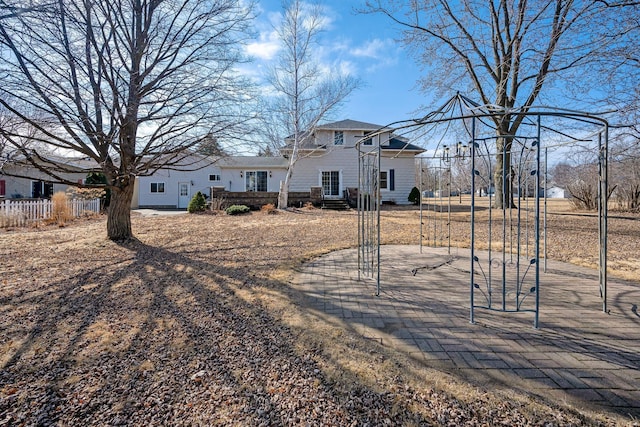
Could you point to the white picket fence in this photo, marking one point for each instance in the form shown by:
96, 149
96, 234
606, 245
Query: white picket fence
18, 213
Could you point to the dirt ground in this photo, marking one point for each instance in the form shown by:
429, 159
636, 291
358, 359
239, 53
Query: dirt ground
195, 323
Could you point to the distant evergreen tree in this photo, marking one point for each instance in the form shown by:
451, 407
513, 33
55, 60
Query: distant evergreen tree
97, 178
414, 196
209, 146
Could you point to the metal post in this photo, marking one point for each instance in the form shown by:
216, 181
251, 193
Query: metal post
473, 216
504, 224
603, 199
449, 217
490, 225
359, 207
519, 228
546, 176
449, 211
421, 218
378, 203
537, 228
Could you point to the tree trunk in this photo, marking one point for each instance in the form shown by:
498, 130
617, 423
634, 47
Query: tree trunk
119, 213
283, 195
503, 176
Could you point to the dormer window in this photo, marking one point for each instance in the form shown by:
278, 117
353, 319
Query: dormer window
338, 137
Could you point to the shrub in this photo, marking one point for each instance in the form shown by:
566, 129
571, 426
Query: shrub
86, 193
218, 203
60, 210
197, 204
269, 209
414, 196
237, 209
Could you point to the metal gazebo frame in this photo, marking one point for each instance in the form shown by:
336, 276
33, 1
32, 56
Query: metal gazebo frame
523, 248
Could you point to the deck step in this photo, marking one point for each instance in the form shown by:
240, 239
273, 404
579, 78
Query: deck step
335, 204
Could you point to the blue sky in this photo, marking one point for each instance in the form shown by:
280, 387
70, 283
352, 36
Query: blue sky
367, 46
363, 44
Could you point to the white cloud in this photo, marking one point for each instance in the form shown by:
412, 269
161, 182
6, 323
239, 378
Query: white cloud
266, 47
375, 54
347, 68
375, 49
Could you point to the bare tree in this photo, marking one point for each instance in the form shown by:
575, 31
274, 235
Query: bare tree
625, 174
27, 134
132, 85
304, 94
581, 182
508, 52
428, 176
461, 174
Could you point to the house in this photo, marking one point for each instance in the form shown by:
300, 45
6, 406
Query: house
173, 189
253, 174
555, 193
329, 159
20, 179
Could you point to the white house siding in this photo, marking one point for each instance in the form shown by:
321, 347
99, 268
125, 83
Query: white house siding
308, 170
325, 137
319, 155
235, 168
404, 171
198, 180
232, 172
232, 181
555, 193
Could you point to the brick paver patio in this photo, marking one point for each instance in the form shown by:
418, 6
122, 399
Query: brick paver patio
578, 354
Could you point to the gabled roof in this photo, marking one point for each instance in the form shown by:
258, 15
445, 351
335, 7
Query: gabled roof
396, 143
401, 144
79, 164
252, 162
346, 124
349, 124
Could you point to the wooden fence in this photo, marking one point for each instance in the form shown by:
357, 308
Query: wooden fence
18, 213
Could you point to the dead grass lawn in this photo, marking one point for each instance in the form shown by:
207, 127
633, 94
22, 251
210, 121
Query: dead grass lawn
194, 323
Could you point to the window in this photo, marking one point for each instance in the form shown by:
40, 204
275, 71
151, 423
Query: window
383, 180
214, 177
338, 137
41, 189
255, 180
157, 187
367, 141
2, 187
387, 180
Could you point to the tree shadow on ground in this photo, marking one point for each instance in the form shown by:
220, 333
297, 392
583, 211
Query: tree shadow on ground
159, 337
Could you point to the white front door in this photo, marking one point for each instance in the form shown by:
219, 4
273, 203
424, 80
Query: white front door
183, 195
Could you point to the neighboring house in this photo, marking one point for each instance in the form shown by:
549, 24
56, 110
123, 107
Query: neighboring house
35, 184
555, 193
329, 159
